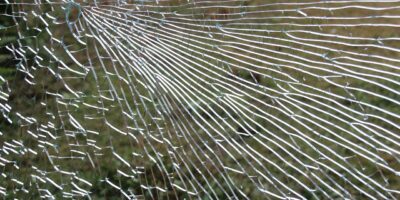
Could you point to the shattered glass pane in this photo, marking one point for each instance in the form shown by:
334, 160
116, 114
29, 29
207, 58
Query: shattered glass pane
200, 99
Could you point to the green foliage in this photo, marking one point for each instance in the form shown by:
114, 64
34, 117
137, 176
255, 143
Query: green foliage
27, 99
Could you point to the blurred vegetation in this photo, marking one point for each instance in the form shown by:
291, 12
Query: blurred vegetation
26, 99
8, 37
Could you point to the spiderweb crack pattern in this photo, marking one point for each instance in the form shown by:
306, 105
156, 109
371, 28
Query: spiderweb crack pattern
224, 99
